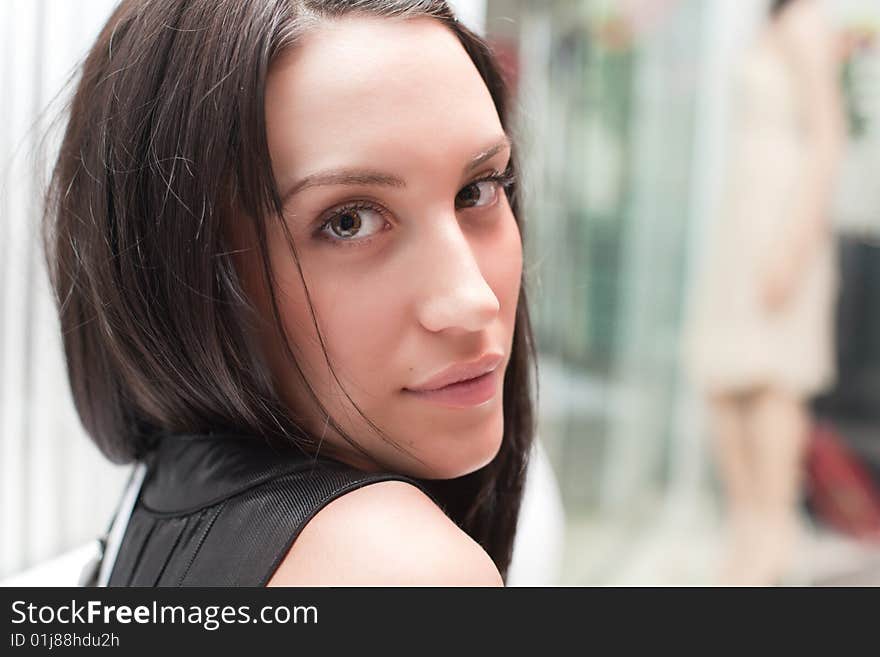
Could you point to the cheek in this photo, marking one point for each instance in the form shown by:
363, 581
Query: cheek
359, 320
502, 263
361, 334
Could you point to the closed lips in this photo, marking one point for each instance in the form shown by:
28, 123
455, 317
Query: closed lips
460, 372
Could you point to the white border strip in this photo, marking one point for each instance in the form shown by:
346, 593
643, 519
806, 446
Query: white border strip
120, 523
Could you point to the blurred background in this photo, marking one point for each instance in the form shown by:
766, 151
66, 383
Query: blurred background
624, 110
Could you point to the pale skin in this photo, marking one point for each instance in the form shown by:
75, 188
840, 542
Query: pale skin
760, 435
812, 52
427, 274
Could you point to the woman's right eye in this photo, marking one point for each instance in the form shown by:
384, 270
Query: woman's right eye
354, 223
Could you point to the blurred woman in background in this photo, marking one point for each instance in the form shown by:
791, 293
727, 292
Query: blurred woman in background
760, 340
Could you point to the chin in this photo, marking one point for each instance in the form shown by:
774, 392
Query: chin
481, 449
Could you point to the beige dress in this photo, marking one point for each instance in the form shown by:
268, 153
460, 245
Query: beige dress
731, 341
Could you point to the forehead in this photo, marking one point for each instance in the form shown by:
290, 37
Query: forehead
361, 89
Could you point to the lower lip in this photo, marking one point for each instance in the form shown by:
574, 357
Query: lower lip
466, 394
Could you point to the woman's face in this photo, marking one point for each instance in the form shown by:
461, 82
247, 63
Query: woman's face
380, 132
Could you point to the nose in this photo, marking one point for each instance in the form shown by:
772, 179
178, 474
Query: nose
453, 293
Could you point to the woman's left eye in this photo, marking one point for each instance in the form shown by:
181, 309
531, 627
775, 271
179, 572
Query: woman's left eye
479, 193
483, 192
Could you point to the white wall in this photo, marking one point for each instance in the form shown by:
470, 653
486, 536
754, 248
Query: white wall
55, 489
471, 12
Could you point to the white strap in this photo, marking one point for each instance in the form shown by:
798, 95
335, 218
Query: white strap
120, 522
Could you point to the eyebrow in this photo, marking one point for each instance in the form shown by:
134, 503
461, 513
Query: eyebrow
347, 176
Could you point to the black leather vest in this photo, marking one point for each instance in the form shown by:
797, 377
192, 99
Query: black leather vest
221, 510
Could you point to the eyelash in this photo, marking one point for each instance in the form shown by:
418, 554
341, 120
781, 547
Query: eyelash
504, 179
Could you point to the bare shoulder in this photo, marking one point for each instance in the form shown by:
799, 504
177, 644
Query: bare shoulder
804, 21
384, 534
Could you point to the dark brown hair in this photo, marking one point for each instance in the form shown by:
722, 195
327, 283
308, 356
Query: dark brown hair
165, 140
778, 5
